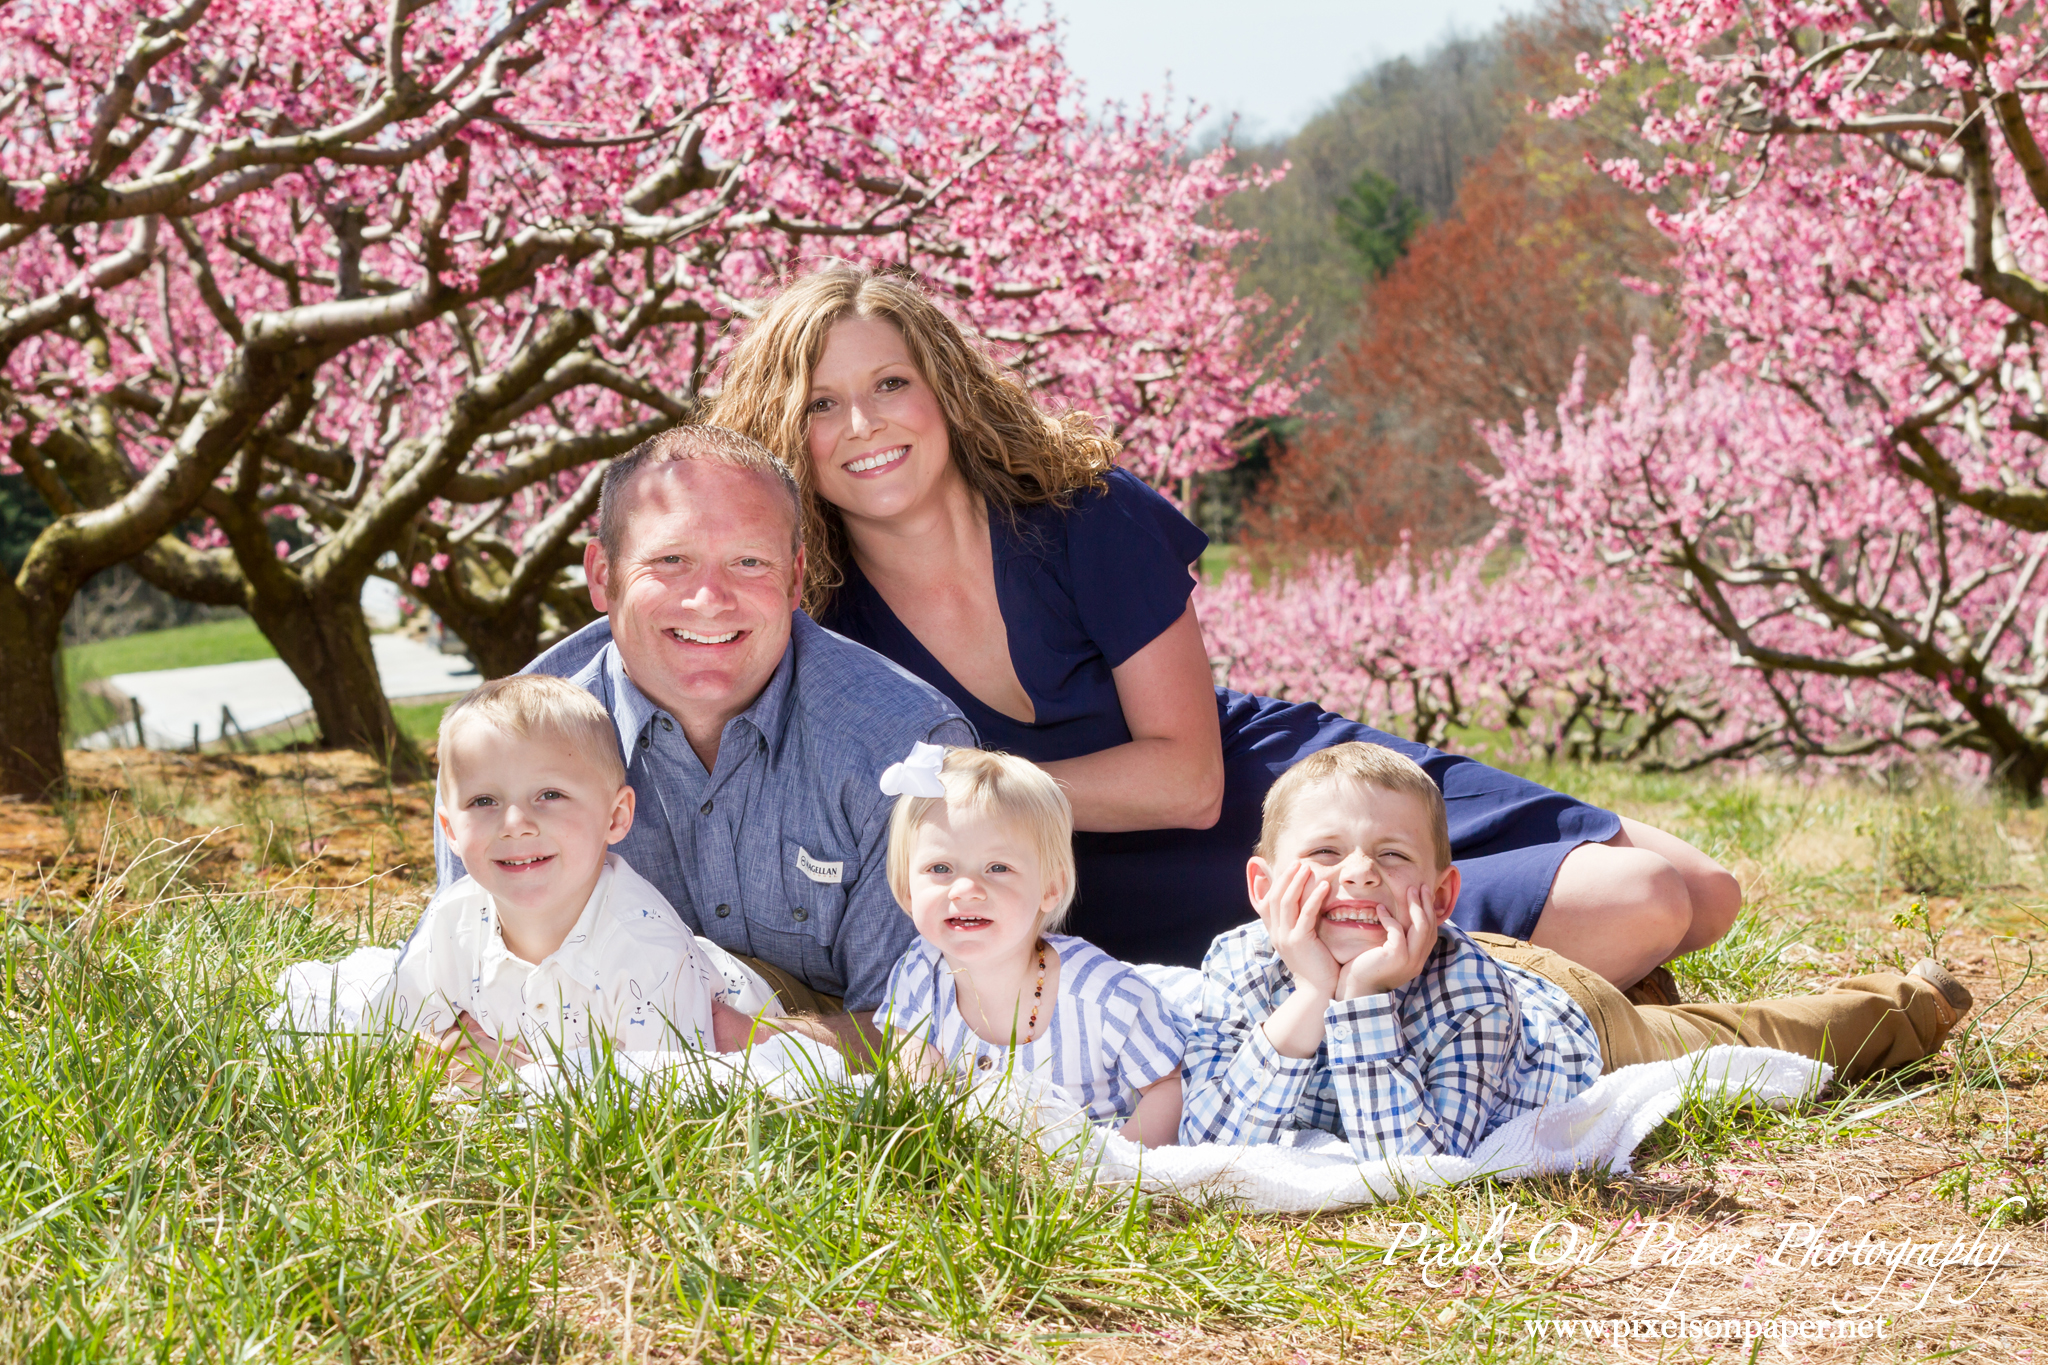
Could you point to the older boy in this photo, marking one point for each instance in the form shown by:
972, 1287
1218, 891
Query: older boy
1354, 1007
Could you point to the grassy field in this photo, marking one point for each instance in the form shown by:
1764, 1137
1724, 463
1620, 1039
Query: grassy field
177, 1184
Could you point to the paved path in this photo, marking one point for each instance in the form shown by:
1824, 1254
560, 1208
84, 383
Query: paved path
262, 692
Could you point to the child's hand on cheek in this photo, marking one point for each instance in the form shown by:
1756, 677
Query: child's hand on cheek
1411, 938
1292, 910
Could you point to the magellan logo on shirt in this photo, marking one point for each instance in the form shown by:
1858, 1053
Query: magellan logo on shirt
818, 871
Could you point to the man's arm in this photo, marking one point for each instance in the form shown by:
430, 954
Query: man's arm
1395, 1105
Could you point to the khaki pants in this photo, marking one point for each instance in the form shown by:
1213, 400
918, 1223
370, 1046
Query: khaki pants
1861, 1026
796, 996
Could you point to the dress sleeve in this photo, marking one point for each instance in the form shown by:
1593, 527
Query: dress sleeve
910, 999
1128, 550
1145, 1044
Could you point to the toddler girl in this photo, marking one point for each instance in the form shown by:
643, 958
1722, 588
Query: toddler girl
981, 856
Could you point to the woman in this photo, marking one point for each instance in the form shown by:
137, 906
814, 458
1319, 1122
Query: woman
994, 550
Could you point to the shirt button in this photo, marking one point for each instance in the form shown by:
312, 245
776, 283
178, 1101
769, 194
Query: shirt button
667, 724
723, 911
985, 1062
645, 739
705, 808
800, 914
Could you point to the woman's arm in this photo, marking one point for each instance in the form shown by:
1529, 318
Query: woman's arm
1170, 776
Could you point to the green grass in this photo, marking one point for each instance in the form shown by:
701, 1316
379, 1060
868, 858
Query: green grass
179, 1184
182, 1184
421, 721
227, 641
1218, 560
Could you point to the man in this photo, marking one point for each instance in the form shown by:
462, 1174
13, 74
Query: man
753, 737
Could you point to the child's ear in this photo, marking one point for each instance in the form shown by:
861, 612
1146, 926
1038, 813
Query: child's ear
1445, 898
1258, 879
622, 815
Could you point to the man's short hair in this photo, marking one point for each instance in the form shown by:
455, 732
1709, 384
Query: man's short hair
697, 441
1369, 765
1000, 785
529, 704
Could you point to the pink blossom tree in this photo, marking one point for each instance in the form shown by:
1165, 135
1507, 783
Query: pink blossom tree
373, 287
1865, 613
1855, 493
1833, 532
1569, 664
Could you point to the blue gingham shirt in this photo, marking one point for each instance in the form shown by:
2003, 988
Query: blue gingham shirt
1427, 1068
778, 852
1110, 1034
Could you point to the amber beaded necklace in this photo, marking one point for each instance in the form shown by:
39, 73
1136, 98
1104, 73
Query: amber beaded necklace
1037, 994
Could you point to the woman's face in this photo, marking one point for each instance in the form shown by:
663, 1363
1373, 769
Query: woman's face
878, 436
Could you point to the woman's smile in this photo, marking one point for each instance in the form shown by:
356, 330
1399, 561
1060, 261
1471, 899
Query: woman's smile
879, 461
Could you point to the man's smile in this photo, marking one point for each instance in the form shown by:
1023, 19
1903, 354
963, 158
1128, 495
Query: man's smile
691, 637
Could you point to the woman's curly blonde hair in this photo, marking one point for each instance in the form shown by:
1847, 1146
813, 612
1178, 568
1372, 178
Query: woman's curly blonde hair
1011, 451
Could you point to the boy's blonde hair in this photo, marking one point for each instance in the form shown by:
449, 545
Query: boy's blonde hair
527, 704
1369, 765
996, 784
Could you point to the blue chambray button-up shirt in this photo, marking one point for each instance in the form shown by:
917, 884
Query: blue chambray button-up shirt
780, 851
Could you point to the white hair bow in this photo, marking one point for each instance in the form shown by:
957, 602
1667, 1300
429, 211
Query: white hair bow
917, 774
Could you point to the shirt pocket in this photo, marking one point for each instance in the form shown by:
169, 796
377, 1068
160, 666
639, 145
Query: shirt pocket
797, 930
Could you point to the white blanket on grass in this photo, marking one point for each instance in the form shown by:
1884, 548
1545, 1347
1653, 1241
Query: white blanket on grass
1599, 1129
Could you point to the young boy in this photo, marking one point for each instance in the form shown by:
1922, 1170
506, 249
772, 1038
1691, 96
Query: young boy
1355, 1007
981, 856
551, 939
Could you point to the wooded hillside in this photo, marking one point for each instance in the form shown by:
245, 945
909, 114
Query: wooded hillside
1450, 256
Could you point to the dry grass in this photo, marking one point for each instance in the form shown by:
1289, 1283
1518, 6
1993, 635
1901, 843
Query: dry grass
1842, 878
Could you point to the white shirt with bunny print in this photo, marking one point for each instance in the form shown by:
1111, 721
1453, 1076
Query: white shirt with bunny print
629, 970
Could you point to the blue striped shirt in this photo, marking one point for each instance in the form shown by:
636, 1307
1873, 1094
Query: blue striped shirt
1109, 1037
1430, 1067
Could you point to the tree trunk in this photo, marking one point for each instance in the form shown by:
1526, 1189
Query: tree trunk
31, 715
2021, 772
503, 635
501, 642
324, 640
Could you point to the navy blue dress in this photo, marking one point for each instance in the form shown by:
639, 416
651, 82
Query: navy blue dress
1081, 591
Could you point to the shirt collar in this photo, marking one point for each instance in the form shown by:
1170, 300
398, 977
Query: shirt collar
633, 710
769, 715
574, 958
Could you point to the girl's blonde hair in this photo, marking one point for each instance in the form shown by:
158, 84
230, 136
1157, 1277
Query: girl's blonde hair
1003, 786
1010, 450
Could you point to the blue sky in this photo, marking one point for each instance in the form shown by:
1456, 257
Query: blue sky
1274, 62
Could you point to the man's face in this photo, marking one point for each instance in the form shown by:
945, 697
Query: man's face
1373, 847
701, 592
